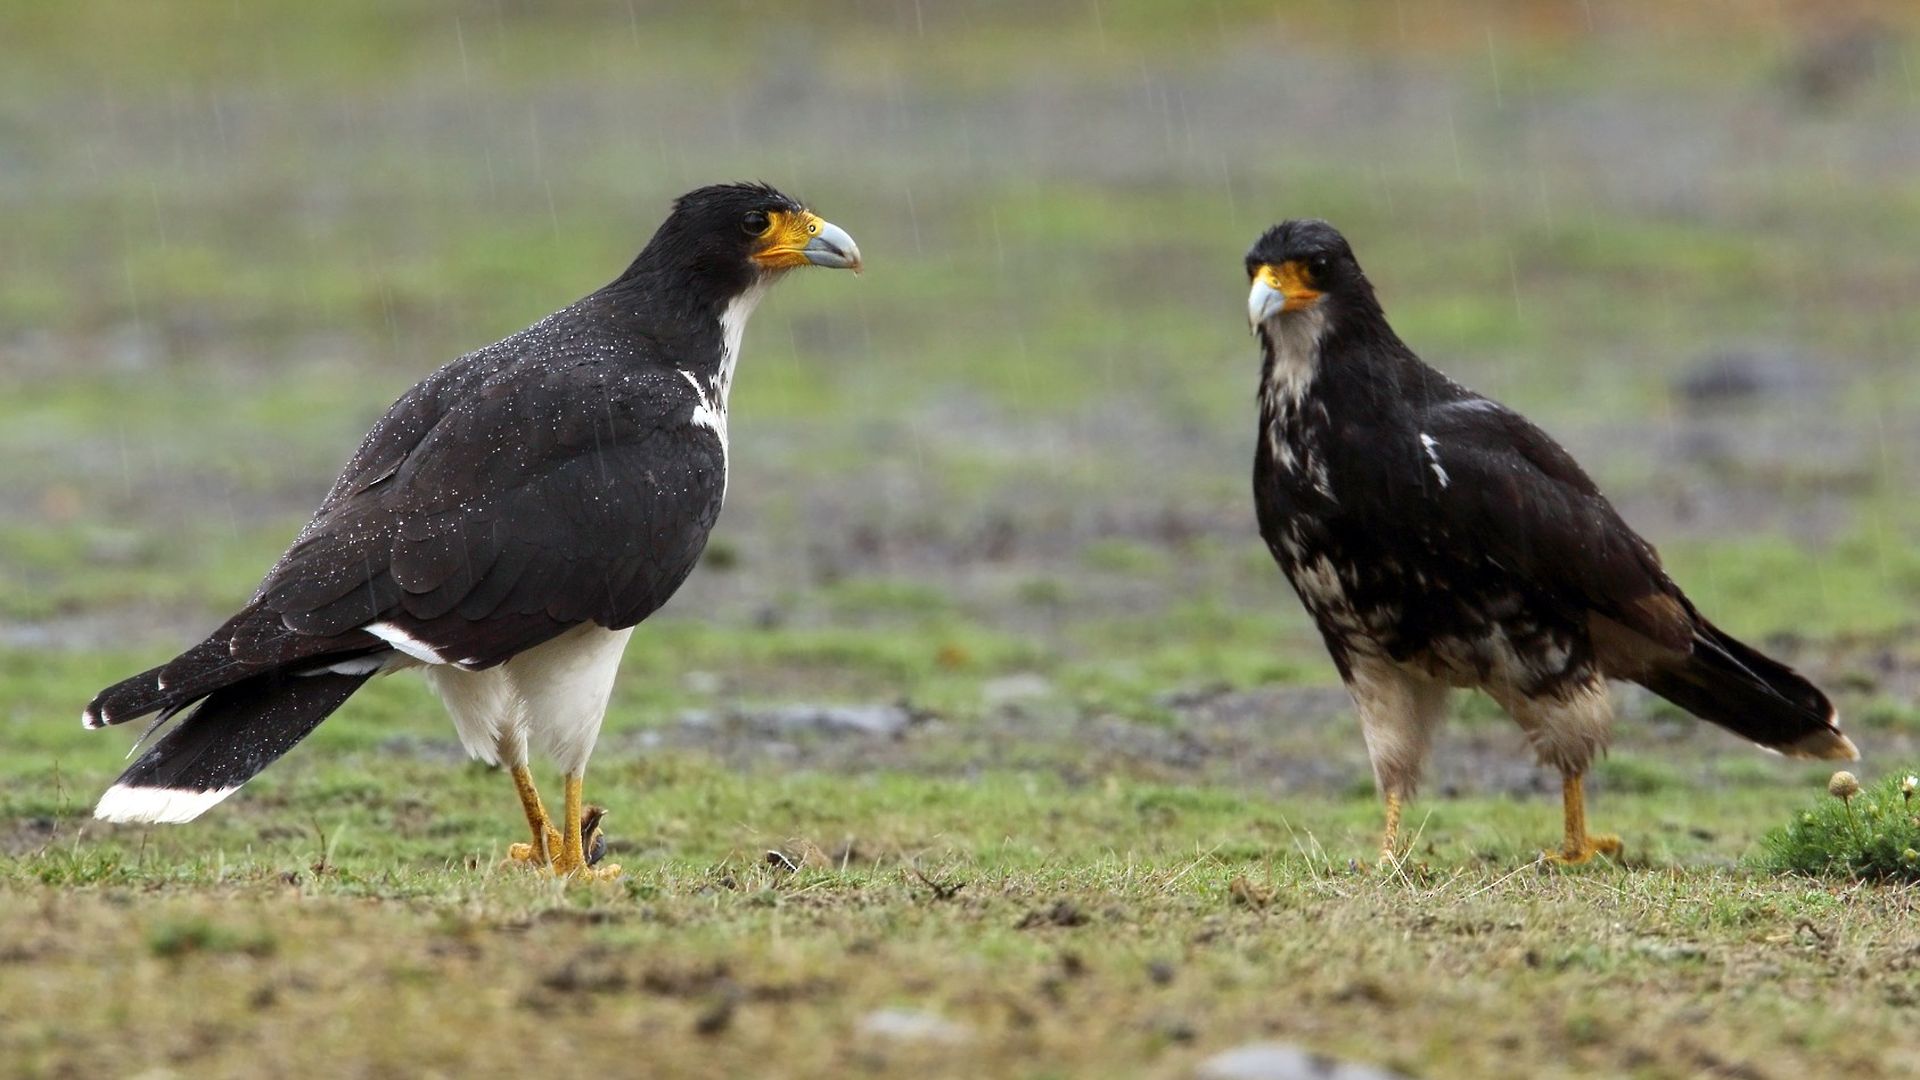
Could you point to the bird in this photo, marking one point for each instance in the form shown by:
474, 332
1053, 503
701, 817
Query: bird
502, 529
1439, 540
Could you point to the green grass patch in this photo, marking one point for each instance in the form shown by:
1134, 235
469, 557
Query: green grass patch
1864, 833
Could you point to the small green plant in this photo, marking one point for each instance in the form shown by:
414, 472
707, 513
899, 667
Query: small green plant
1871, 833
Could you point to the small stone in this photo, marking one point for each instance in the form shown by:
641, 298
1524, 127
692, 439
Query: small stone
872, 720
1283, 1061
908, 1025
841, 719
1009, 689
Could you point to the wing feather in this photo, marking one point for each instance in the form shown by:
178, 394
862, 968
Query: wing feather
544, 499
1521, 501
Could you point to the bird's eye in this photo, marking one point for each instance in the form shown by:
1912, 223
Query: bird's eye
1318, 264
755, 223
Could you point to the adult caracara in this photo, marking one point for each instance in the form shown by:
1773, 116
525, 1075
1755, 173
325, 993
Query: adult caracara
502, 528
1441, 540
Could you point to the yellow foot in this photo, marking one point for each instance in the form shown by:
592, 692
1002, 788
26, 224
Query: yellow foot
557, 860
584, 864
525, 853
1579, 854
588, 873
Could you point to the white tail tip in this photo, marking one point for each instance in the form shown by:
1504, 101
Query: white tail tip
1823, 746
137, 804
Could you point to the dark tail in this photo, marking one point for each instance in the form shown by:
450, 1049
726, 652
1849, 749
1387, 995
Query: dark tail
251, 643
236, 731
1753, 696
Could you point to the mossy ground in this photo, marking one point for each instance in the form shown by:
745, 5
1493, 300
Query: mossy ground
1000, 479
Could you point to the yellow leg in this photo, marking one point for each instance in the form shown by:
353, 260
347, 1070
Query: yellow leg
1390, 839
546, 839
1579, 846
572, 858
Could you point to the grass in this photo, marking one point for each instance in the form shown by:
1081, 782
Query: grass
1068, 909
1870, 834
1068, 931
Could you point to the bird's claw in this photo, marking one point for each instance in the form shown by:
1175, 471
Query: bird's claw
1582, 852
553, 859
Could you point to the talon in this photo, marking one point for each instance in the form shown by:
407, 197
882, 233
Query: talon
1584, 853
563, 854
583, 844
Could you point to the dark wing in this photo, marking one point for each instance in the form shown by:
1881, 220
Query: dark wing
1513, 497
1522, 499
495, 505
541, 498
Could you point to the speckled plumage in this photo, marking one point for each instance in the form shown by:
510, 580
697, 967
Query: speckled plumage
1440, 540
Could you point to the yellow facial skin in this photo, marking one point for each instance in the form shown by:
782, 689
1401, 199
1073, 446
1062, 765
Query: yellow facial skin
788, 233
1292, 280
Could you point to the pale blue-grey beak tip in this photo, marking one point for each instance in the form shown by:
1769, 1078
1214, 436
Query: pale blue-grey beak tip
1263, 303
833, 248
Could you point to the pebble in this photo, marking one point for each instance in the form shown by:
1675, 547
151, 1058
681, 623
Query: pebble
908, 1025
1284, 1061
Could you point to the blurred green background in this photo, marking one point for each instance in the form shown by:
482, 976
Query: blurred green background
1017, 446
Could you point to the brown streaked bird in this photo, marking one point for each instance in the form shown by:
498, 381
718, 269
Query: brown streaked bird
1440, 541
503, 528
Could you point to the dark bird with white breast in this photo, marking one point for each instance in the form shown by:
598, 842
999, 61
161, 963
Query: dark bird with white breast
1440, 540
503, 528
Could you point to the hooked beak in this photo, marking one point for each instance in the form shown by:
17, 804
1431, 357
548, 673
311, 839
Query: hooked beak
1280, 289
1263, 303
831, 247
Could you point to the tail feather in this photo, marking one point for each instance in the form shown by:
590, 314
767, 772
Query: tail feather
180, 681
1752, 695
233, 734
214, 663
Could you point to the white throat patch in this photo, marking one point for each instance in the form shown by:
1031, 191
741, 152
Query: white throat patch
1296, 356
711, 412
733, 325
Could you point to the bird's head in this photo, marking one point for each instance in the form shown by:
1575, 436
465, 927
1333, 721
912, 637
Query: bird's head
1303, 268
728, 238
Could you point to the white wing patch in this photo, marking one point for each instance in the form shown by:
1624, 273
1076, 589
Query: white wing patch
405, 642
704, 414
1433, 458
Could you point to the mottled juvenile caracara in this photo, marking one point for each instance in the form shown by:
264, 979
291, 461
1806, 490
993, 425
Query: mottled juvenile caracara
1440, 540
